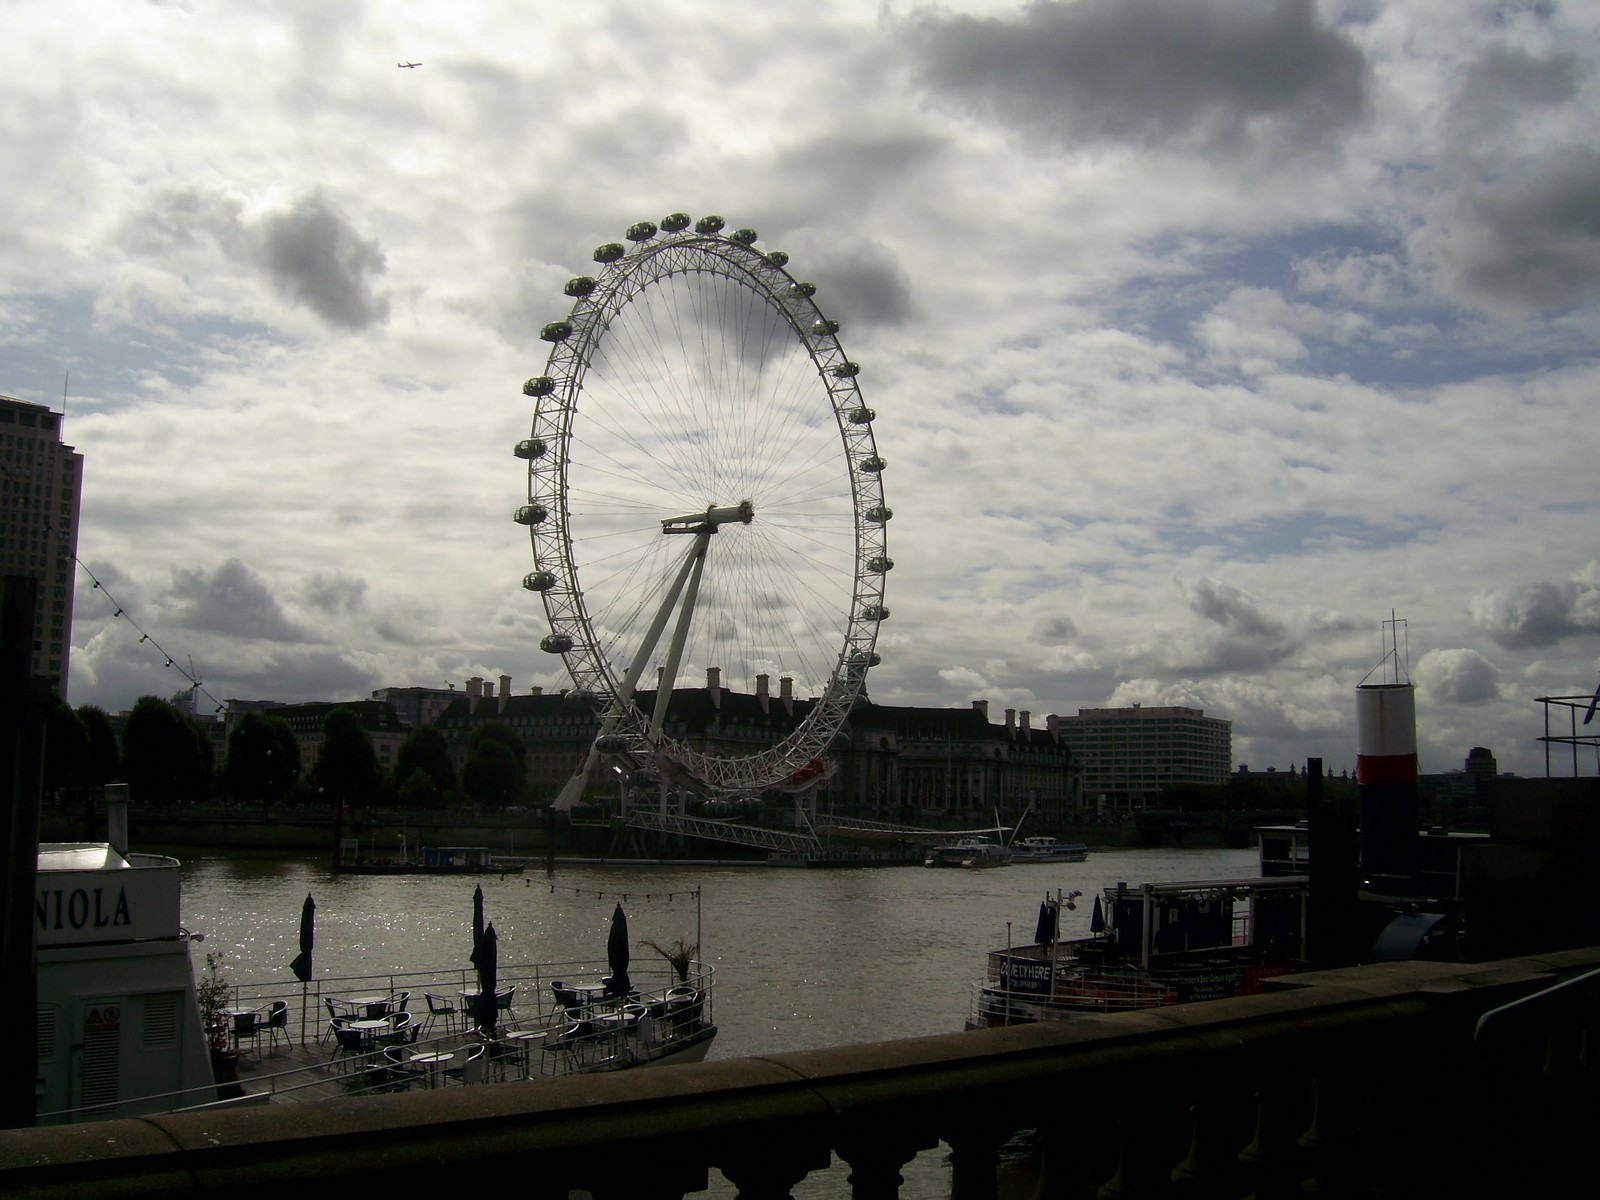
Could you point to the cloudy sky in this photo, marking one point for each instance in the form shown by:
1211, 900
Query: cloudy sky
1202, 333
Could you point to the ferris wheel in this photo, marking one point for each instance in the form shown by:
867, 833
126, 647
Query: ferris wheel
701, 458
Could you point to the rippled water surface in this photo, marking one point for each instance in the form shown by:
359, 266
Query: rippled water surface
804, 958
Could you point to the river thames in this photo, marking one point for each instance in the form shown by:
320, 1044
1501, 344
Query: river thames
805, 959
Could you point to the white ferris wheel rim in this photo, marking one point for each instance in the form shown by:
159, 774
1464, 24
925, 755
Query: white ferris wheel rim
696, 374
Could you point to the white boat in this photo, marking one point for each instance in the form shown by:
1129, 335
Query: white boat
1048, 850
1151, 945
969, 852
120, 1029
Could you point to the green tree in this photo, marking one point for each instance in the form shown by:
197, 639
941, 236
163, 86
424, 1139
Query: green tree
347, 767
426, 750
419, 791
496, 765
66, 750
493, 775
101, 757
166, 757
262, 763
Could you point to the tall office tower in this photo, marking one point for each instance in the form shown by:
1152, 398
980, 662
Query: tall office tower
41, 480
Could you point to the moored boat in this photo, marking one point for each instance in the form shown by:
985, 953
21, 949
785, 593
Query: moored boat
1151, 945
969, 852
1043, 849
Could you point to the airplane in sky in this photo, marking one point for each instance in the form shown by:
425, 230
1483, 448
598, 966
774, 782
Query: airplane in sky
407, 66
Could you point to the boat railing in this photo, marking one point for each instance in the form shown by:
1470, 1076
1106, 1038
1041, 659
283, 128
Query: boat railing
546, 1040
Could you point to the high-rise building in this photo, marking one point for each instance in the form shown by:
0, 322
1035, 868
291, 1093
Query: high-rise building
41, 480
1130, 755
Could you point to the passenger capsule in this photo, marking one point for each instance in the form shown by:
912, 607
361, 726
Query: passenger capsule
880, 565
609, 253
874, 612
556, 331
531, 449
873, 465
846, 370
745, 237
824, 325
777, 258
861, 660
674, 222
539, 385
712, 224
801, 290
531, 514
578, 698
611, 743
538, 581
556, 643
641, 231
579, 286
862, 416
879, 514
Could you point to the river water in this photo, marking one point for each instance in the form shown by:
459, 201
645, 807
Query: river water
805, 959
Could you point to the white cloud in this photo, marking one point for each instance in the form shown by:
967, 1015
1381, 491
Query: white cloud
1200, 335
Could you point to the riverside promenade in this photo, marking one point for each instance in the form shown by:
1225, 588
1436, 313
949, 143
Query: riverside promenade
1383, 1079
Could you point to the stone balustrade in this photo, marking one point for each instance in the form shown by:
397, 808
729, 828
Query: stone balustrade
1358, 1082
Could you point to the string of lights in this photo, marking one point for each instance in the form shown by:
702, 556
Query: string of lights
145, 638
648, 897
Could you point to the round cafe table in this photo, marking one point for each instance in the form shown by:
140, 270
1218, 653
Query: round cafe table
526, 1039
433, 1060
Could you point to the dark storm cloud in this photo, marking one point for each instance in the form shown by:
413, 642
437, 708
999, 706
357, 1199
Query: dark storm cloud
315, 256
1230, 608
335, 594
1506, 83
863, 283
233, 600
1530, 237
1217, 74
1538, 614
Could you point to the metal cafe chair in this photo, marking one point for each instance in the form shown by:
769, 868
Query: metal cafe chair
248, 1027
278, 1022
440, 1006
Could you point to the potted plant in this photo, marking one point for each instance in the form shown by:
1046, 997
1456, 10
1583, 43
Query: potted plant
679, 953
214, 993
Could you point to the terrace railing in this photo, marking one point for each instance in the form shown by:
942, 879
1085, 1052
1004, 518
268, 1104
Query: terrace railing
1364, 1081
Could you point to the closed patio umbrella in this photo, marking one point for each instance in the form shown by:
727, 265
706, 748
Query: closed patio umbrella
1045, 932
617, 955
1097, 919
487, 960
301, 966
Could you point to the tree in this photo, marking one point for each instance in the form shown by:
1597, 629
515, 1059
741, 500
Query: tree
262, 763
101, 757
66, 750
347, 767
166, 757
426, 750
419, 791
493, 775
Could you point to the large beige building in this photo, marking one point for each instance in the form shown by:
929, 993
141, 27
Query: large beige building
41, 481
1129, 756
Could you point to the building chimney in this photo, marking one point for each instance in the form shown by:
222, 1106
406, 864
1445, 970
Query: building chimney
762, 694
786, 693
474, 693
983, 707
538, 689
1011, 718
1022, 721
505, 692
714, 685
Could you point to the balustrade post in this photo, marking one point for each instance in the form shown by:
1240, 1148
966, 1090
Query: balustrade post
1064, 1172
1142, 1158
1333, 1141
875, 1158
1274, 1160
1211, 1168
974, 1157
771, 1173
